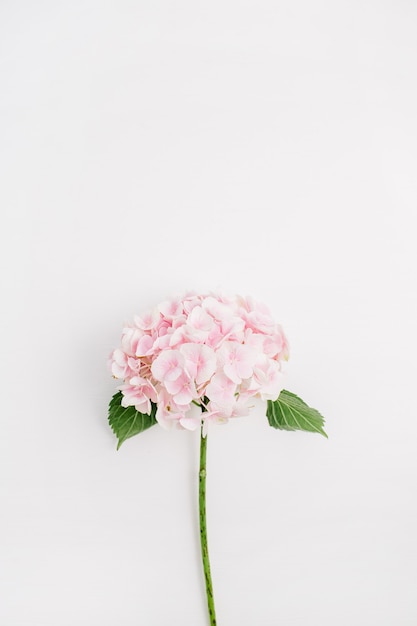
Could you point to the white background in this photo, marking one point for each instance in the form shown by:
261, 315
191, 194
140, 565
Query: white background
268, 148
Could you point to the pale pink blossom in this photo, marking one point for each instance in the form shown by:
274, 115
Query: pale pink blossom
168, 413
242, 406
163, 326
130, 340
200, 320
221, 392
192, 418
162, 342
182, 389
268, 380
168, 366
200, 361
144, 346
166, 418
148, 321
190, 301
215, 337
232, 329
181, 335
213, 417
237, 360
139, 393
201, 351
119, 364
170, 309
218, 310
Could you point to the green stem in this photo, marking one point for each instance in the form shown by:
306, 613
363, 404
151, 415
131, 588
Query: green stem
203, 530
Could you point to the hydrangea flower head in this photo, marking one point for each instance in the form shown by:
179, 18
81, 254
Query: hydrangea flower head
200, 358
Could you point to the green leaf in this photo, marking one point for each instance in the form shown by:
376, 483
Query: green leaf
127, 422
289, 412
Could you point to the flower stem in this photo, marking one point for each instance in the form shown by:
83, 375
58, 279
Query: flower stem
203, 530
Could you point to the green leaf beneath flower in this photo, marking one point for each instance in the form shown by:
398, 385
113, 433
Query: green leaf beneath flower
289, 412
127, 422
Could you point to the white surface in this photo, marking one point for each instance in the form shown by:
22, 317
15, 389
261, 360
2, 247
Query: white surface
151, 147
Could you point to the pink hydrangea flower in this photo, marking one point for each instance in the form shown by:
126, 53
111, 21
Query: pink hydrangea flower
200, 358
200, 361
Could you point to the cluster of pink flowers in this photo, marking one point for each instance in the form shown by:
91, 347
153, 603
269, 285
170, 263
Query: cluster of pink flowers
200, 357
